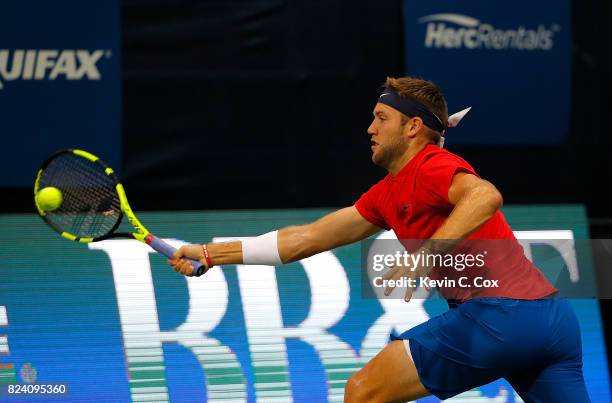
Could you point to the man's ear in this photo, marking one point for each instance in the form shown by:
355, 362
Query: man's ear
417, 123
413, 126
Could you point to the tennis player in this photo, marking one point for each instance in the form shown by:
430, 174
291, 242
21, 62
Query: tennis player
518, 330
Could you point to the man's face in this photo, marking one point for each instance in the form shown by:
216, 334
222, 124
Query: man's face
388, 142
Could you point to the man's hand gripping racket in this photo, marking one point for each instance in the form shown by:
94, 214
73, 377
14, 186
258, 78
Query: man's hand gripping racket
91, 204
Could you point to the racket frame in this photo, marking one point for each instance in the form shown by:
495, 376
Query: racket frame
141, 231
141, 234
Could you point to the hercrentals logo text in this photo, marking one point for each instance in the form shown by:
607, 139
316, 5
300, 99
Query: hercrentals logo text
50, 64
470, 33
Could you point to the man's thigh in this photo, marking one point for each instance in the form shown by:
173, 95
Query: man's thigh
388, 377
559, 382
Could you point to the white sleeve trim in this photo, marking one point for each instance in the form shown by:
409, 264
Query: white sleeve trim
407, 347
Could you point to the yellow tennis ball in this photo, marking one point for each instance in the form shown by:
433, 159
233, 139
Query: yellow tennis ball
49, 198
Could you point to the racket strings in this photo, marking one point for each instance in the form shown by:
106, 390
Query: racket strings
88, 199
90, 206
77, 209
97, 204
94, 196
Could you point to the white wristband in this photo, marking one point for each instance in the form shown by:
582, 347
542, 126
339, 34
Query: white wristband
261, 250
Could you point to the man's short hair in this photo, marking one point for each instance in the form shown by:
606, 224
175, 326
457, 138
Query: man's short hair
425, 92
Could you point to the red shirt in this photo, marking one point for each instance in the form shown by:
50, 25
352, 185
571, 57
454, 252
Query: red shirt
414, 203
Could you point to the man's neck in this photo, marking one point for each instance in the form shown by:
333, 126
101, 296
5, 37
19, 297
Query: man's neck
411, 152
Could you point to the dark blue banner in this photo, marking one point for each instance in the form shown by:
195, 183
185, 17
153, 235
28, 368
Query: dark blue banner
59, 82
511, 62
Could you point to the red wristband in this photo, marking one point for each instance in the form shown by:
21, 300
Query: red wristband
209, 262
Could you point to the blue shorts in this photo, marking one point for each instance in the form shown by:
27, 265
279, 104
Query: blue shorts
535, 345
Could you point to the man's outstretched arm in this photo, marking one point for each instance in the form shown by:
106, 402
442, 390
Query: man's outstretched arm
293, 243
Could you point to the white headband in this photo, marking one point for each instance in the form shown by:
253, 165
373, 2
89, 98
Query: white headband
453, 121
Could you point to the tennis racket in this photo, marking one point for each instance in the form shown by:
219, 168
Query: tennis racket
93, 202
